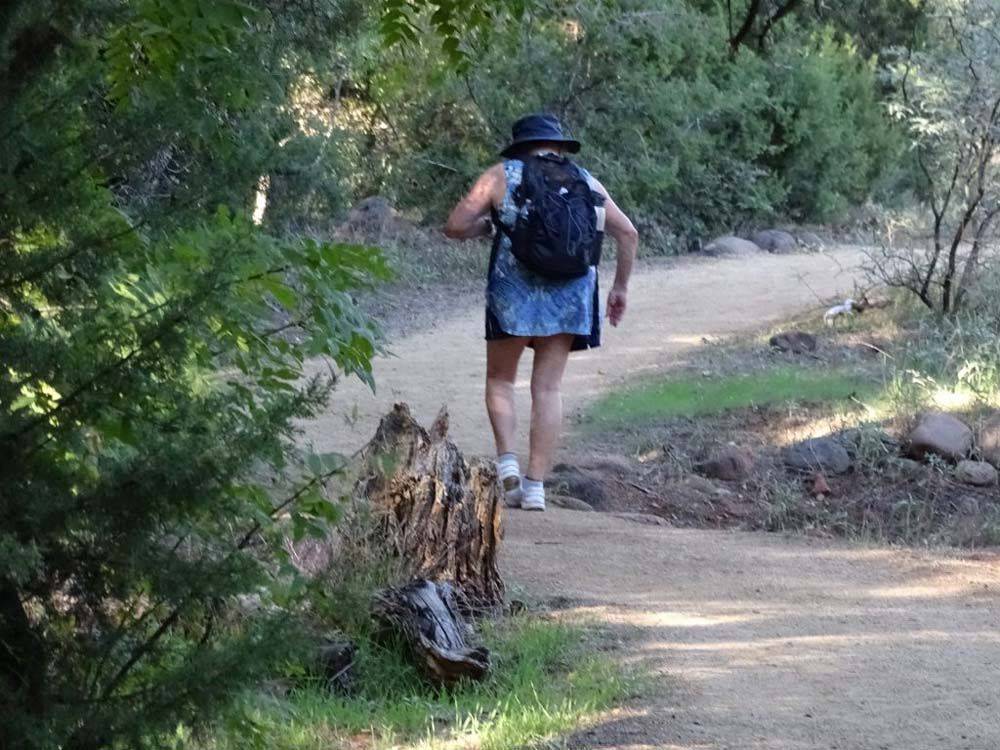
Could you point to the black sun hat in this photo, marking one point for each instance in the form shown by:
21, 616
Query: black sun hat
538, 129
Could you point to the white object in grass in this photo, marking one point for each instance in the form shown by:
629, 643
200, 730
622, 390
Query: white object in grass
830, 316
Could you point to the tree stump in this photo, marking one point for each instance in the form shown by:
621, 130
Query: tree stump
427, 615
441, 514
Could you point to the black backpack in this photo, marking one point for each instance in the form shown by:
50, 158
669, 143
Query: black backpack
557, 236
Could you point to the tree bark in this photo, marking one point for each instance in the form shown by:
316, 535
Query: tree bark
441, 514
427, 616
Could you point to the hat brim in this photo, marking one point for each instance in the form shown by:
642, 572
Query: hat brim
571, 145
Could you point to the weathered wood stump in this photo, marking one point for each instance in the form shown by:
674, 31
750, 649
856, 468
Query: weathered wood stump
427, 616
441, 514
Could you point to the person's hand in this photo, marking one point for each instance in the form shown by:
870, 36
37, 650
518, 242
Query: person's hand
616, 304
486, 227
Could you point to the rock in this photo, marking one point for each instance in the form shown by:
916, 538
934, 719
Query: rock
977, 473
704, 486
371, 214
940, 435
904, 468
731, 464
820, 487
989, 440
775, 241
569, 503
731, 246
868, 442
810, 241
824, 454
573, 482
796, 342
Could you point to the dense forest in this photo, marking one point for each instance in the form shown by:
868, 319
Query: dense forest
170, 171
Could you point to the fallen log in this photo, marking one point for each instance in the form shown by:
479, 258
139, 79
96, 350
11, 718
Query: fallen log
336, 660
427, 616
439, 514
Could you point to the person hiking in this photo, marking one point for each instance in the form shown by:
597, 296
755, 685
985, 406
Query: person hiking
542, 289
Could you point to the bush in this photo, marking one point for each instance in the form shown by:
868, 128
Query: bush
834, 141
150, 385
680, 131
946, 97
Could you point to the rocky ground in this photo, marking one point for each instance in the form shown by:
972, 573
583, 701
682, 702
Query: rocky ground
829, 470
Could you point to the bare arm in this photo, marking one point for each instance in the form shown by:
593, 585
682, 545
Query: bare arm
619, 226
471, 217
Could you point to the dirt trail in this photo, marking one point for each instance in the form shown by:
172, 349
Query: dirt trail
784, 643
671, 309
759, 641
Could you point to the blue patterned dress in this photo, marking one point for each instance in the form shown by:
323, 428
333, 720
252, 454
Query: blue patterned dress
520, 302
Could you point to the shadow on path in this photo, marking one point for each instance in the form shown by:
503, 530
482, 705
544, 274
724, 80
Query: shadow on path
785, 643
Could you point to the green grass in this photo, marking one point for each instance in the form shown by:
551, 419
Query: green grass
691, 396
545, 684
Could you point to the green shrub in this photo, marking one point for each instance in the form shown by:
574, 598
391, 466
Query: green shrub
150, 389
832, 140
680, 131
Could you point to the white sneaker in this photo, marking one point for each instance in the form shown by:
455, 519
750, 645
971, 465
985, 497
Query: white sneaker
533, 502
513, 495
510, 479
534, 495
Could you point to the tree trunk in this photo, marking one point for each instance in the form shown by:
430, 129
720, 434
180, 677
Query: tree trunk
22, 658
441, 514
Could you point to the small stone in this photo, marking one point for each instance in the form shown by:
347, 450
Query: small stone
775, 241
653, 454
904, 468
569, 503
731, 464
977, 473
941, 435
823, 454
702, 485
820, 487
795, 342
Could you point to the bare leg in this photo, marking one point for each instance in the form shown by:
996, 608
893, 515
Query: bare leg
551, 354
502, 357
